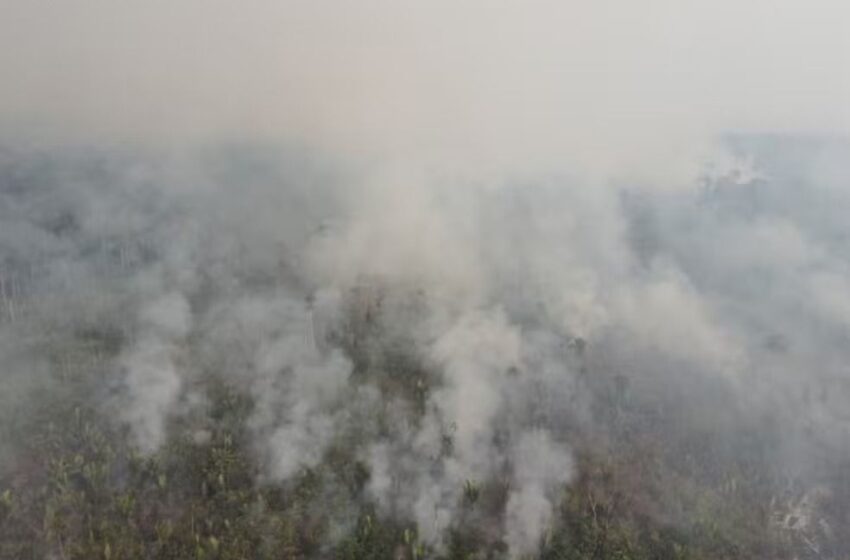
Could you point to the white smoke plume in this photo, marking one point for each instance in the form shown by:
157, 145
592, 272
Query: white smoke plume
540, 471
153, 376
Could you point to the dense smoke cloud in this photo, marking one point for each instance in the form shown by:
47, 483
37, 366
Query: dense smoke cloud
459, 241
726, 304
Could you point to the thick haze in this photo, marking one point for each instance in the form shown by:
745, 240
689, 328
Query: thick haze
517, 201
608, 88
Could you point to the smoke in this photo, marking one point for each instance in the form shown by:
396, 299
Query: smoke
640, 93
541, 468
434, 237
452, 340
153, 380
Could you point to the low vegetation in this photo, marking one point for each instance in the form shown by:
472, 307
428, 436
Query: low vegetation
75, 489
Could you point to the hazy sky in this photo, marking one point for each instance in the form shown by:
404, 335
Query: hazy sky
637, 88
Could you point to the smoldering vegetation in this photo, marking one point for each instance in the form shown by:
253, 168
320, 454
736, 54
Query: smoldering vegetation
254, 352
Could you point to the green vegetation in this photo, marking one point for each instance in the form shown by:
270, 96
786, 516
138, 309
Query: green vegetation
75, 489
